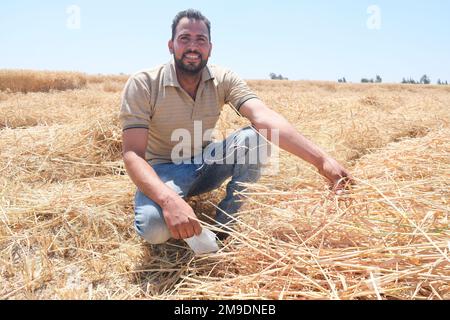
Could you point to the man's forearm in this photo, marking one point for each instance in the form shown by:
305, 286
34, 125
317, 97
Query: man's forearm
290, 139
268, 122
146, 179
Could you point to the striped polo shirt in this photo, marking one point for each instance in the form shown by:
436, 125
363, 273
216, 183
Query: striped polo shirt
154, 100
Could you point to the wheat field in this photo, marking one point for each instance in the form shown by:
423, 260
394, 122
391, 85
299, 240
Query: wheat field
66, 203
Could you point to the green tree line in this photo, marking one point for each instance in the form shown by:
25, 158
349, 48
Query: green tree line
423, 80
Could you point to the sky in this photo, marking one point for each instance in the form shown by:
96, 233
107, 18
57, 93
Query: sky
302, 40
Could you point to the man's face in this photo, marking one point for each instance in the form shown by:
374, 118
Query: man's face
191, 46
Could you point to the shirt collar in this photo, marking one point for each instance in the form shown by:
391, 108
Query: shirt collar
170, 74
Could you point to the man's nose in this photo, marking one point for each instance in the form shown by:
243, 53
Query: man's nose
193, 43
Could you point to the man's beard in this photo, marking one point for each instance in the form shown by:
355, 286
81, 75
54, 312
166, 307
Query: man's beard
190, 68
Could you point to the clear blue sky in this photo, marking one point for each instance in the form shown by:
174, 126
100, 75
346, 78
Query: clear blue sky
318, 40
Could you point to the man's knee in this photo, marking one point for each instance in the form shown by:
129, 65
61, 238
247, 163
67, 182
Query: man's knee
248, 134
150, 224
252, 148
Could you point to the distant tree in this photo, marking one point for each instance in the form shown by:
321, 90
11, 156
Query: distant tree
365, 80
446, 83
425, 79
378, 79
343, 80
273, 76
439, 82
410, 81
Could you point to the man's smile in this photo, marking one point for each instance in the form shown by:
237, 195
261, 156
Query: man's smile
192, 56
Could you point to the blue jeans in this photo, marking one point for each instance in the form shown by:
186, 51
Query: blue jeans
238, 152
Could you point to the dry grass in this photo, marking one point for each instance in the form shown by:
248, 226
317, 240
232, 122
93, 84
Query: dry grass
66, 206
108, 83
122, 78
113, 86
21, 110
40, 81
51, 154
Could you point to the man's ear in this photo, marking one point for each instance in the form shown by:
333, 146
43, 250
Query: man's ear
210, 50
170, 45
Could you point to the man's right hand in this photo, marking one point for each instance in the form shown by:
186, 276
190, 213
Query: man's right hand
180, 218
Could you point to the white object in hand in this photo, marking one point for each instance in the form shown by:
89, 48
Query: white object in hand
204, 243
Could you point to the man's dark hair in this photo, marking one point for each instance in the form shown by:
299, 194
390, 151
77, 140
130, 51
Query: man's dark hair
191, 14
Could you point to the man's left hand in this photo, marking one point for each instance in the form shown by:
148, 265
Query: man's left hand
338, 176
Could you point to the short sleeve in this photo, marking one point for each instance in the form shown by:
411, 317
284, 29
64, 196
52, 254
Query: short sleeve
237, 91
136, 108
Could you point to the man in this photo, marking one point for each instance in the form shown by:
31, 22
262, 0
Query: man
185, 96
